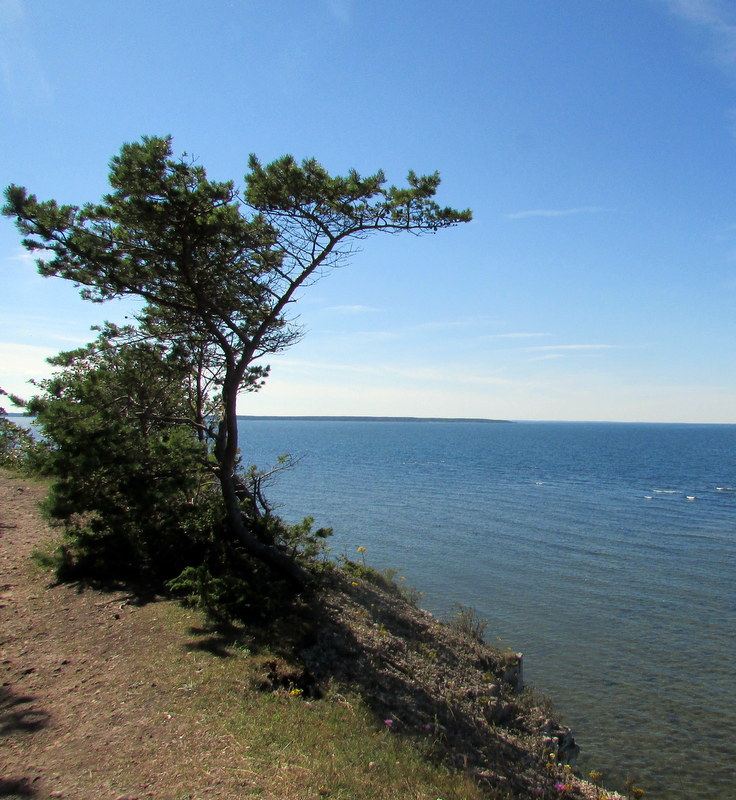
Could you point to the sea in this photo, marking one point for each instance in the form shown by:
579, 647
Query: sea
605, 552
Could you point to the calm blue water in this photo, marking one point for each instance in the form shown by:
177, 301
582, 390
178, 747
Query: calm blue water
577, 541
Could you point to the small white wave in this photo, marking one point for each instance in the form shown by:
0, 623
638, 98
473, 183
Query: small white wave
665, 491
689, 497
724, 489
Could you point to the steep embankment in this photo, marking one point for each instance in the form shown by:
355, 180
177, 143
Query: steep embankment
105, 696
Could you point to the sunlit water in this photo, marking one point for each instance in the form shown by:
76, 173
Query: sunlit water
581, 546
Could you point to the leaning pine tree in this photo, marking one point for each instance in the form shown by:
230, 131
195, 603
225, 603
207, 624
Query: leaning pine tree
217, 270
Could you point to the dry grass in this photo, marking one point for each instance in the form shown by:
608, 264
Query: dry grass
285, 745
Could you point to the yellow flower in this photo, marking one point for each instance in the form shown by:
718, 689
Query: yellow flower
362, 549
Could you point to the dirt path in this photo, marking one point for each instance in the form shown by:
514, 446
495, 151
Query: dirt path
85, 711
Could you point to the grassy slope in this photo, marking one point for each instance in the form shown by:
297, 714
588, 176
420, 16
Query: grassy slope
356, 694
362, 695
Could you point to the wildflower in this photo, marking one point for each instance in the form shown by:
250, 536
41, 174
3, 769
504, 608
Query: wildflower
389, 722
295, 692
362, 549
560, 787
595, 775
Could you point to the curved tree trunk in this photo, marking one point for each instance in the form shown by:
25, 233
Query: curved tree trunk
226, 452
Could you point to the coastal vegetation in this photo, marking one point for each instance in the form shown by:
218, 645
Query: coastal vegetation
216, 270
353, 693
146, 482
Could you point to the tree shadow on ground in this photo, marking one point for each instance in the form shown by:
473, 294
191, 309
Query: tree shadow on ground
16, 788
428, 682
456, 697
130, 594
18, 715
214, 639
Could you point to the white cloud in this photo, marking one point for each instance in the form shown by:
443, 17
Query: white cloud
10, 11
465, 322
342, 10
713, 14
517, 335
574, 347
19, 363
356, 309
715, 18
26, 85
387, 391
554, 212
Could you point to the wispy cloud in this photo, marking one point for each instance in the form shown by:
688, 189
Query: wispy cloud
396, 372
24, 258
716, 18
554, 212
517, 335
574, 347
357, 309
342, 10
19, 363
24, 80
465, 322
374, 336
547, 357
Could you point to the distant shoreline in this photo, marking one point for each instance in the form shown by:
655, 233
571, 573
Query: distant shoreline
316, 418
259, 418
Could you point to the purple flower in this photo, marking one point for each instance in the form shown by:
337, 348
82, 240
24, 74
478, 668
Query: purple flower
389, 721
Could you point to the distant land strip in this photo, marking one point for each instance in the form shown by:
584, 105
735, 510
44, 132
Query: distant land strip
259, 418
368, 419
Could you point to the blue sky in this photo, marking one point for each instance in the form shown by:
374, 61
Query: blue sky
594, 141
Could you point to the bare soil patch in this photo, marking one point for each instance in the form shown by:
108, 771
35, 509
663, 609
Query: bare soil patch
86, 711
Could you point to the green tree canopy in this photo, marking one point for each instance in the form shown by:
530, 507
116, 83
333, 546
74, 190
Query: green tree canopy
217, 269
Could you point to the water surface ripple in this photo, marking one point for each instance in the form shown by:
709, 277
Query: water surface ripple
606, 552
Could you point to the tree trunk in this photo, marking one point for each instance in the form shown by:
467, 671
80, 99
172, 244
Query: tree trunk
274, 558
226, 452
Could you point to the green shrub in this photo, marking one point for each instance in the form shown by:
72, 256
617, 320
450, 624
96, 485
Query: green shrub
467, 620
